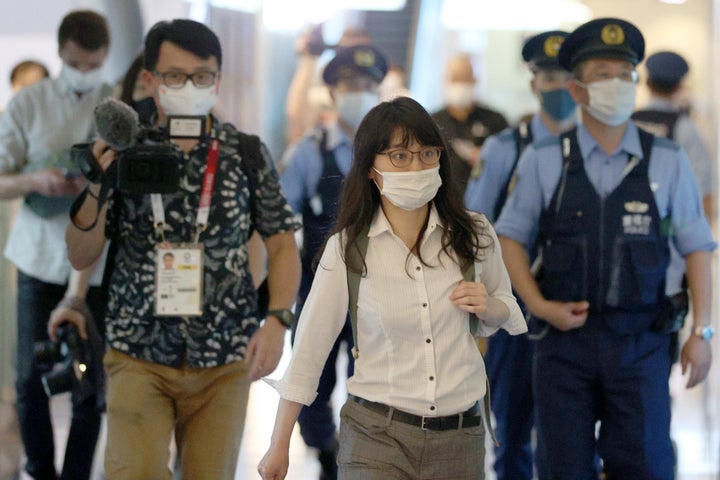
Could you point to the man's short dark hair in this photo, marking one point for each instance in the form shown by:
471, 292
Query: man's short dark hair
27, 65
189, 35
86, 28
661, 87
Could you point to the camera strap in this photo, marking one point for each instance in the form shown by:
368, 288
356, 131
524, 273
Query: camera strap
208, 184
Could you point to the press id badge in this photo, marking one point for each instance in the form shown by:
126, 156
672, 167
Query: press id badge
178, 280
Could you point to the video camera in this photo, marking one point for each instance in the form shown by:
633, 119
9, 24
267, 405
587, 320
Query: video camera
70, 364
145, 163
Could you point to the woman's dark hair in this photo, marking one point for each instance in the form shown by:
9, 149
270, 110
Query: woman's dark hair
186, 34
127, 86
360, 197
86, 28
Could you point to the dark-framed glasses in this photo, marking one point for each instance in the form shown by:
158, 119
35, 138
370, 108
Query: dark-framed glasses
402, 157
179, 79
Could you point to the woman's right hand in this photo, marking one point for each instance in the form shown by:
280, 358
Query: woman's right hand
274, 465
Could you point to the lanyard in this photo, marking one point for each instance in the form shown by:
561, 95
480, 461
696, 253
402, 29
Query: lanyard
208, 184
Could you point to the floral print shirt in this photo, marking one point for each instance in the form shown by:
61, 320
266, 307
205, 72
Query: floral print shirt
230, 317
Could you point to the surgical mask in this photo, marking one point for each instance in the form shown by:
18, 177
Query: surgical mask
410, 190
79, 81
611, 101
558, 103
188, 100
460, 94
353, 106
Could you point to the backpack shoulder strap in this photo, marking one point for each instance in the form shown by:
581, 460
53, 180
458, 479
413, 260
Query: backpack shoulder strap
357, 261
469, 276
252, 162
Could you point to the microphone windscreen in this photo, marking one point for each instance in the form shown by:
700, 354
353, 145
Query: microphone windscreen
117, 123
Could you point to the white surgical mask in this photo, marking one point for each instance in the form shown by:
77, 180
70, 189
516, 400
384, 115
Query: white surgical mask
353, 106
460, 94
188, 100
410, 190
79, 81
611, 101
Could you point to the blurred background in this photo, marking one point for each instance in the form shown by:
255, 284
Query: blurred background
419, 36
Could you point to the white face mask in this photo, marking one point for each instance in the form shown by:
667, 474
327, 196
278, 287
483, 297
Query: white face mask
611, 101
460, 94
353, 106
188, 100
81, 82
410, 190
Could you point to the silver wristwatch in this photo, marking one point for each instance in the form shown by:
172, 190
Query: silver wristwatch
705, 332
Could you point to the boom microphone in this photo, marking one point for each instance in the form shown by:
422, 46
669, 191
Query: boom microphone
117, 124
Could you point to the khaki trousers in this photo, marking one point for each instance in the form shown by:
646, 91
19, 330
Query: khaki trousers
146, 402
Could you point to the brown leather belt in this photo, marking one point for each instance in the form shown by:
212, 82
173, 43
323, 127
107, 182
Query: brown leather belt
469, 418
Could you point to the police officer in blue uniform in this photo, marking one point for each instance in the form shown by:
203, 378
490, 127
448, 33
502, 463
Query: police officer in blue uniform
312, 179
603, 202
663, 117
508, 360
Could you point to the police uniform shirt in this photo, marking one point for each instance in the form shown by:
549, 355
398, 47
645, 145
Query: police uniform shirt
498, 158
303, 164
688, 137
671, 180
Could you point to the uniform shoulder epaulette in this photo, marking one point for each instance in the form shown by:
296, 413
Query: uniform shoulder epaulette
661, 142
506, 135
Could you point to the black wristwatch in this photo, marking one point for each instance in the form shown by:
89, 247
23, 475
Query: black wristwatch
285, 315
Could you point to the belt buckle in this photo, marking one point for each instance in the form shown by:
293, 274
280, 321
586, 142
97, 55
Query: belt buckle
422, 423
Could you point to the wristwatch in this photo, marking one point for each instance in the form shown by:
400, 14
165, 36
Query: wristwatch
705, 332
285, 315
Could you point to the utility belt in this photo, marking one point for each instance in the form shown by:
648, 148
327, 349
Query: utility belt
669, 318
671, 313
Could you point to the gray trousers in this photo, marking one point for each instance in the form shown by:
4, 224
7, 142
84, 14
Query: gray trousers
374, 447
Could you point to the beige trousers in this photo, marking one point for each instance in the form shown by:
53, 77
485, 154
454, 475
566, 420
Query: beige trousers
147, 402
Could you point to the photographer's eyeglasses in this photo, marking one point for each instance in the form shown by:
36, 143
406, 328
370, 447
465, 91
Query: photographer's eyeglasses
179, 79
402, 157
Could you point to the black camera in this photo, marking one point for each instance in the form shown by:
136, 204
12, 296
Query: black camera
142, 168
66, 360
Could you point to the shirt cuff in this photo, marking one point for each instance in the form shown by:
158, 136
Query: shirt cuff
695, 236
291, 393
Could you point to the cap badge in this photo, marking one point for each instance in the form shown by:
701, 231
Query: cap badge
612, 34
552, 45
364, 58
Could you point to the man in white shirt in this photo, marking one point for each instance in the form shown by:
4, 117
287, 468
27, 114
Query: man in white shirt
39, 126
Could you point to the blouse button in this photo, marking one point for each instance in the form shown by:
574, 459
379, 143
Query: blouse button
432, 378
432, 408
417, 268
427, 340
424, 305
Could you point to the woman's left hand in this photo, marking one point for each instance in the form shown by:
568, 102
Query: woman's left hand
471, 297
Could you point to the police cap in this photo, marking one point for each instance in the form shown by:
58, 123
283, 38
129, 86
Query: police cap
356, 60
541, 51
602, 38
666, 67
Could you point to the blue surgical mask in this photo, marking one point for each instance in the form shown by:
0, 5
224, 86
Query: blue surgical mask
558, 103
353, 106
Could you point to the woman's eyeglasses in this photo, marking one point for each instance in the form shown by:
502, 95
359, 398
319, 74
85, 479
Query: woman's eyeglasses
402, 157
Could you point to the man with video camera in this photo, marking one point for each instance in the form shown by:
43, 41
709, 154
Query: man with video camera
36, 131
185, 343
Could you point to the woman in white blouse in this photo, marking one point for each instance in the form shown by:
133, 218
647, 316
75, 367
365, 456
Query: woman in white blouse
414, 399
